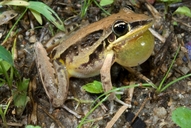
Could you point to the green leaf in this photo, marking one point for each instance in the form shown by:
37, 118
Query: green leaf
2, 82
31, 126
106, 2
6, 66
47, 12
14, 2
183, 10
85, 7
175, 23
5, 55
37, 16
94, 87
20, 95
23, 85
40, 8
20, 100
182, 117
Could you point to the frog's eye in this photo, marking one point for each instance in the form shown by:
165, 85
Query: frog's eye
120, 28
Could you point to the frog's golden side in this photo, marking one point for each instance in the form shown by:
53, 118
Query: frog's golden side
123, 38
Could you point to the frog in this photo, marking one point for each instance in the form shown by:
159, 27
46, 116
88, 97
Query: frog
122, 38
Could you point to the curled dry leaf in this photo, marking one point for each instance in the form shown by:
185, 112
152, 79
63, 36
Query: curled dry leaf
7, 16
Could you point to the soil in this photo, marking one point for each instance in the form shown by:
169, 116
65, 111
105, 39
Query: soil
153, 108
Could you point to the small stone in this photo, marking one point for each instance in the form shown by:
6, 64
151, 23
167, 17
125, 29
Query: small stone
185, 69
32, 39
189, 83
27, 33
160, 112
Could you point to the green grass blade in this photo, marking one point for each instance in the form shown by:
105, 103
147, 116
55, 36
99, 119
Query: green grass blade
174, 81
101, 8
85, 117
14, 25
161, 83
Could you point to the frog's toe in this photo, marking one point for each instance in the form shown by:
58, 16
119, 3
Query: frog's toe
123, 103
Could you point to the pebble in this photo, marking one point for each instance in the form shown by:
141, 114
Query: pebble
32, 39
160, 112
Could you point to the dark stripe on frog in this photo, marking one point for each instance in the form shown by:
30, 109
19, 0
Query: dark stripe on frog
83, 44
98, 53
95, 56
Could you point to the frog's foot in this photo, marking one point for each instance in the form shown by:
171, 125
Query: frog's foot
139, 75
120, 102
128, 100
72, 112
123, 103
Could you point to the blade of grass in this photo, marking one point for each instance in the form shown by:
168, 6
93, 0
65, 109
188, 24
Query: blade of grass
3, 113
85, 6
162, 82
106, 94
174, 81
85, 117
3, 117
14, 26
101, 8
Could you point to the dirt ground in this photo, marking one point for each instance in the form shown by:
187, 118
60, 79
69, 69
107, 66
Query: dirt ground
152, 108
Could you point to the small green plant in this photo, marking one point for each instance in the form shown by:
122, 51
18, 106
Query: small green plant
87, 3
180, 10
183, 10
104, 97
10, 76
6, 64
94, 87
3, 111
37, 8
163, 87
182, 117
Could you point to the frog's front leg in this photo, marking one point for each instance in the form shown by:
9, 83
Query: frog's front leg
106, 78
54, 76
